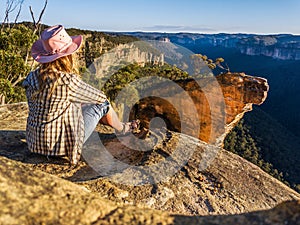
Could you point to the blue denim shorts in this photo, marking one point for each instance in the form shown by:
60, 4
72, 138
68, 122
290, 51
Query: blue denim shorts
92, 113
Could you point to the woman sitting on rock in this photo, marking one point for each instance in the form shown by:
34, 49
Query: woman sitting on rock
63, 110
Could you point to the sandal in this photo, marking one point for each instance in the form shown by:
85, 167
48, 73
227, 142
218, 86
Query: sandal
129, 127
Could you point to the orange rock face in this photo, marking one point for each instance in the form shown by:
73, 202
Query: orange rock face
206, 108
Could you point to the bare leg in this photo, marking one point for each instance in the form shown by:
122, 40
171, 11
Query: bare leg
111, 119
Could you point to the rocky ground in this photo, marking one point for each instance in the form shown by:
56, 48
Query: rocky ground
175, 181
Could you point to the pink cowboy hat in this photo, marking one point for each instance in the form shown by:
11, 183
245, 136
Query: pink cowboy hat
54, 43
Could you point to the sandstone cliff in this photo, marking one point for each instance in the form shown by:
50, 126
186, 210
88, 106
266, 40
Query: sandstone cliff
281, 46
104, 54
219, 104
210, 181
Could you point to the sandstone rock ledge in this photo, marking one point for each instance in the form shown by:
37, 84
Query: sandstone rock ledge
29, 196
32, 191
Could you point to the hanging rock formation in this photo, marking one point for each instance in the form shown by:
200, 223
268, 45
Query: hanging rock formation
218, 102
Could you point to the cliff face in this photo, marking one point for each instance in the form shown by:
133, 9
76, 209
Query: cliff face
270, 46
104, 55
283, 46
122, 55
219, 104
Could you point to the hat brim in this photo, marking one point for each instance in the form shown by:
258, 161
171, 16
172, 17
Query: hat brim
40, 55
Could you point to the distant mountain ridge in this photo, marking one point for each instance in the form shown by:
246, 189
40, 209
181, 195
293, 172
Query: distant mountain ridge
278, 46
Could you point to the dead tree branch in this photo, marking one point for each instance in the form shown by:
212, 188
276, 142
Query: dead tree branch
11, 6
37, 23
17, 16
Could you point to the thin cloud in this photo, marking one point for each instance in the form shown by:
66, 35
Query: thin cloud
175, 28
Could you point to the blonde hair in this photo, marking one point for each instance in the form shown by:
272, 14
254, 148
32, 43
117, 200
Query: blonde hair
50, 72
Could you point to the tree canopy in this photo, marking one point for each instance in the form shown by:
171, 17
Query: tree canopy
14, 50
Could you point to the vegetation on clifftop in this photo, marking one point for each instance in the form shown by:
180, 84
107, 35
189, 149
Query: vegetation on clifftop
134, 72
14, 59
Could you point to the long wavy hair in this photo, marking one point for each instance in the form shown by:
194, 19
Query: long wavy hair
50, 72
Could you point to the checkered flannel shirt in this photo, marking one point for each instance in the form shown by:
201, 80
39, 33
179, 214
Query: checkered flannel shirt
55, 124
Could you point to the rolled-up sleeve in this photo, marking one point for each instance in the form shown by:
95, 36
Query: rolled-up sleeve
79, 91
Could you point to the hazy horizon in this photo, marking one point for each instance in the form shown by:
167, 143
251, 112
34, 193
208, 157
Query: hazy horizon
186, 32
170, 32
265, 17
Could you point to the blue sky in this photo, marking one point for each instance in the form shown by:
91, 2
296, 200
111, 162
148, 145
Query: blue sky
199, 16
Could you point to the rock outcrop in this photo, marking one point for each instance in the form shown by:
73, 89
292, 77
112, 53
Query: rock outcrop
29, 196
175, 173
219, 104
